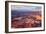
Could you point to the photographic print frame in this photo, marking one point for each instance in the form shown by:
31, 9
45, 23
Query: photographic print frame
7, 3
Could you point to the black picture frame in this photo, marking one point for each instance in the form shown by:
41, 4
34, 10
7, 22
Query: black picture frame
6, 16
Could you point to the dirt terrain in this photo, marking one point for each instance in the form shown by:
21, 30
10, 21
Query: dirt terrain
28, 21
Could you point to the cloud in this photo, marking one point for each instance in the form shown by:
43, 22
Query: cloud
26, 8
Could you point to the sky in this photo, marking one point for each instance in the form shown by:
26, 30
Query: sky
25, 8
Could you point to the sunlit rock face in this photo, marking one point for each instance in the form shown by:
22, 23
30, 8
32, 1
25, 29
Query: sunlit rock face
27, 21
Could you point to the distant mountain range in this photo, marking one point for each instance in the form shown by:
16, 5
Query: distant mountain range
23, 13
